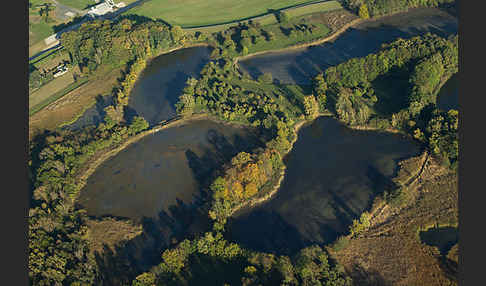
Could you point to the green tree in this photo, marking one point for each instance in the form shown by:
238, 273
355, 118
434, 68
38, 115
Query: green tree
283, 17
311, 107
185, 105
266, 78
145, 279
363, 11
138, 124
177, 33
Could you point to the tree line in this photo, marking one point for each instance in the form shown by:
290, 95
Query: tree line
58, 247
115, 43
376, 8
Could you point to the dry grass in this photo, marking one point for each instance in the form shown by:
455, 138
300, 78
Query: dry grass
50, 88
110, 232
74, 103
389, 252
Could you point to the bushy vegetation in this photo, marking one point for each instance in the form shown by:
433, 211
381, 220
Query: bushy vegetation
119, 42
223, 92
251, 37
376, 8
58, 246
228, 262
426, 62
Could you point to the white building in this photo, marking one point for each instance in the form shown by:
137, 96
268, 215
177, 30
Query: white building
101, 9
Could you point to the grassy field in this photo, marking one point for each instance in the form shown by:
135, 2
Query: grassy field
78, 4
73, 103
50, 88
53, 97
38, 28
390, 252
193, 13
270, 19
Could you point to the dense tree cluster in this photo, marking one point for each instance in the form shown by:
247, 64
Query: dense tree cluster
117, 42
58, 248
220, 92
375, 8
242, 180
350, 84
428, 61
311, 266
244, 37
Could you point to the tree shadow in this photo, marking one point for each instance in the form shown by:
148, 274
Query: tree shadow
180, 221
368, 277
62, 26
267, 231
130, 258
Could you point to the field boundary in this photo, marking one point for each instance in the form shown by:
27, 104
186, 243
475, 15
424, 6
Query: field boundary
260, 16
56, 96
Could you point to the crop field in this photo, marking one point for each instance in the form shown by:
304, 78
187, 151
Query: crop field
194, 13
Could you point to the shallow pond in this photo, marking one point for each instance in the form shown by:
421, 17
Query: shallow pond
161, 169
443, 238
332, 175
157, 90
448, 97
299, 66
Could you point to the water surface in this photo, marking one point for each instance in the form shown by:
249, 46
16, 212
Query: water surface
299, 66
443, 238
157, 89
448, 97
156, 92
332, 175
161, 169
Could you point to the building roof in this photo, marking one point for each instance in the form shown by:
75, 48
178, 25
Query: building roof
101, 9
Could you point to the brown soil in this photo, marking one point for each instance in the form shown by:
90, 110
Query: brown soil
390, 252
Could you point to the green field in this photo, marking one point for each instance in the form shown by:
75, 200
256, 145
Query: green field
46, 101
193, 13
78, 4
270, 19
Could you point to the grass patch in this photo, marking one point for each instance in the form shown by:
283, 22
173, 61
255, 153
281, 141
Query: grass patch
57, 95
288, 96
270, 18
313, 8
39, 31
393, 244
194, 13
340, 243
282, 40
78, 4
110, 232
49, 88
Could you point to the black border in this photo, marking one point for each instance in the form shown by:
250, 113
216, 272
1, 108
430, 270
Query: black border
15, 93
